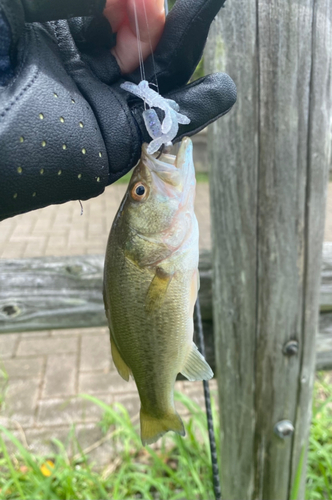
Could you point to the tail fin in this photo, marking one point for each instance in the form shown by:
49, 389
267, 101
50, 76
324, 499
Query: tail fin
152, 428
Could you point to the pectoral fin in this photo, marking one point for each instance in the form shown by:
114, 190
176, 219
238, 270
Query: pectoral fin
120, 365
195, 367
157, 290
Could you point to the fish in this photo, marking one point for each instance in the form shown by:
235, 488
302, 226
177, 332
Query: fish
151, 281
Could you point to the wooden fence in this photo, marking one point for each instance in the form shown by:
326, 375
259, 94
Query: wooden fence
269, 162
66, 292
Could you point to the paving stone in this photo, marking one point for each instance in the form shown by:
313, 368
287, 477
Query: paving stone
179, 406
94, 383
95, 352
202, 210
54, 345
96, 249
57, 241
40, 440
51, 251
29, 238
14, 250
89, 434
60, 375
131, 402
8, 423
6, 228
23, 367
80, 331
30, 335
21, 400
194, 390
8, 343
63, 411
70, 332
34, 250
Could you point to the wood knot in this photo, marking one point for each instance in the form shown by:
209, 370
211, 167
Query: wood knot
10, 310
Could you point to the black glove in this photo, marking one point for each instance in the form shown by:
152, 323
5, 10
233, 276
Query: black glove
67, 130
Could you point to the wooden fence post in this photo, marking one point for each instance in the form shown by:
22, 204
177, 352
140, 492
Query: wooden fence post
269, 162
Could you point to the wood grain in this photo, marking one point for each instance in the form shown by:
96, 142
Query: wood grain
66, 292
268, 162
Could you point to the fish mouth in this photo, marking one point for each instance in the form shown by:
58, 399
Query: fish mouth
171, 169
165, 159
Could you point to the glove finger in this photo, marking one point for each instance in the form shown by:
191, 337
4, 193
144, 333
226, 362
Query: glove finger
92, 33
94, 39
203, 101
181, 46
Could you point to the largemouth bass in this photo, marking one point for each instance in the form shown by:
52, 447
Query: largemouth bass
151, 283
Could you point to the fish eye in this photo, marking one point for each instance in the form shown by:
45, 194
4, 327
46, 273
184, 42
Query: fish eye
139, 191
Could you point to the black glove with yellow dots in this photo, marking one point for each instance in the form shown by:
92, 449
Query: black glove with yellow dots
67, 129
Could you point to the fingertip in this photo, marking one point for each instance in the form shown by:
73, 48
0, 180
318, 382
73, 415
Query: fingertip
150, 17
222, 85
115, 13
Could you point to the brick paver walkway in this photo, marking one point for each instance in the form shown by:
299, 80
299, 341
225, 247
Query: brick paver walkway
48, 370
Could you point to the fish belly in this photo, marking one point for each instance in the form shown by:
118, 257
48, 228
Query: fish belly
152, 344
153, 339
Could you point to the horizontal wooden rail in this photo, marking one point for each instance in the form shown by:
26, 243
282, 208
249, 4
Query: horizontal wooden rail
66, 292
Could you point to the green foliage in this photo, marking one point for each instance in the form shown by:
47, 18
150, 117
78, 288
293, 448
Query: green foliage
171, 4
319, 470
179, 469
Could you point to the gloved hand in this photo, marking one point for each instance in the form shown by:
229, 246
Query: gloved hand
67, 129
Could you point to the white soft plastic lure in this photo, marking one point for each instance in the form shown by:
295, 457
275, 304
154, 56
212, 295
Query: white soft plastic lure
161, 133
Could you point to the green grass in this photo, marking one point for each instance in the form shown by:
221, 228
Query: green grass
124, 179
319, 469
179, 469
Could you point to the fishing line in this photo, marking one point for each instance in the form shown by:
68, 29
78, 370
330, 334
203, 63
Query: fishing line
207, 397
150, 44
139, 44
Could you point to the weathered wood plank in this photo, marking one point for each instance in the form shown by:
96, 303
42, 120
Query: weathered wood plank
317, 145
51, 293
268, 162
66, 292
233, 157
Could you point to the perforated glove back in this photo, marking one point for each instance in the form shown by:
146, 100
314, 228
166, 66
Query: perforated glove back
67, 130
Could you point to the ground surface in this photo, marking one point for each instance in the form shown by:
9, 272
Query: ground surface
48, 370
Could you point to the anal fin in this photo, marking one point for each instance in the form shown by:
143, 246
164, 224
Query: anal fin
123, 369
196, 367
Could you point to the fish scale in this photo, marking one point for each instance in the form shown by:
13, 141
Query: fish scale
151, 284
